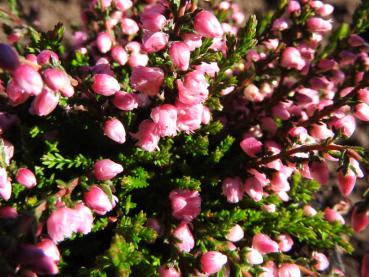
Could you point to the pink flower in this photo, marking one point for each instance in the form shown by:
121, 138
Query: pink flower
28, 79
293, 7
309, 210
279, 182
119, 55
212, 262
254, 257
254, 188
207, 25
129, 26
57, 80
289, 270
168, 271
232, 189
186, 204
356, 40
16, 94
105, 84
321, 261
106, 169
194, 89
346, 182
359, 219
6, 190
8, 212
184, 235
154, 42
210, 69
285, 242
147, 80
270, 270
362, 111
251, 146
346, 125
8, 57
165, 119
123, 5
138, 59
180, 55
62, 223
321, 131
125, 101
26, 178
49, 249
46, 56
147, 135
291, 58
104, 42
152, 21
325, 10
114, 130
320, 172
235, 233
264, 244
98, 200
44, 103
193, 41
332, 216
189, 117
281, 24
317, 24
84, 225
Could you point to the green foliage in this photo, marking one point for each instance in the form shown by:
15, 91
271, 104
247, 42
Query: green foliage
138, 179
56, 160
222, 149
361, 17
50, 40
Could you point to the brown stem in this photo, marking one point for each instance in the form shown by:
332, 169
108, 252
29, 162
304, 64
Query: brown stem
308, 271
12, 16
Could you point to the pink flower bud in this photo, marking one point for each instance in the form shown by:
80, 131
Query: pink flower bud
194, 89
251, 146
189, 117
168, 271
291, 58
147, 80
285, 242
62, 223
129, 26
289, 270
46, 56
123, 5
346, 183
356, 40
210, 69
207, 25
180, 54
317, 24
45, 103
206, 115
106, 169
165, 119
212, 262
153, 21
333, 216
325, 10
271, 208
279, 182
125, 101
16, 94
56, 79
49, 249
232, 189
293, 7
98, 200
264, 244
362, 111
321, 261
154, 42
281, 24
184, 235
346, 125
254, 257
8, 212
138, 59
309, 210
105, 84
235, 233
193, 41
270, 270
114, 130
320, 172
254, 188
6, 190
104, 42
359, 219
28, 79
321, 131
84, 225
186, 204
147, 135
119, 55
8, 57
26, 178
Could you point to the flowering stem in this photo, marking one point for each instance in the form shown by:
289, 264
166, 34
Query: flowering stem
307, 271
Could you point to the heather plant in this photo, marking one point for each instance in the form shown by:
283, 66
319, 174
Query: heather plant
182, 138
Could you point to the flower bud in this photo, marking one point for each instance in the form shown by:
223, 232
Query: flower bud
251, 146
359, 219
28, 79
154, 42
346, 182
105, 84
332, 216
207, 25
317, 24
56, 79
125, 101
254, 257
253, 187
362, 111
119, 55
285, 242
194, 89
26, 178
8, 57
212, 262
309, 210
232, 189
147, 135
114, 130
62, 223
346, 125
193, 41
98, 200
153, 21
104, 42
46, 57
123, 5
321, 261
165, 119
291, 58
147, 80
264, 244
320, 172
138, 59
167, 271
289, 270
186, 204
180, 54
184, 235
106, 169
129, 26
235, 233
6, 190
45, 103
84, 225
16, 94
189, 117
